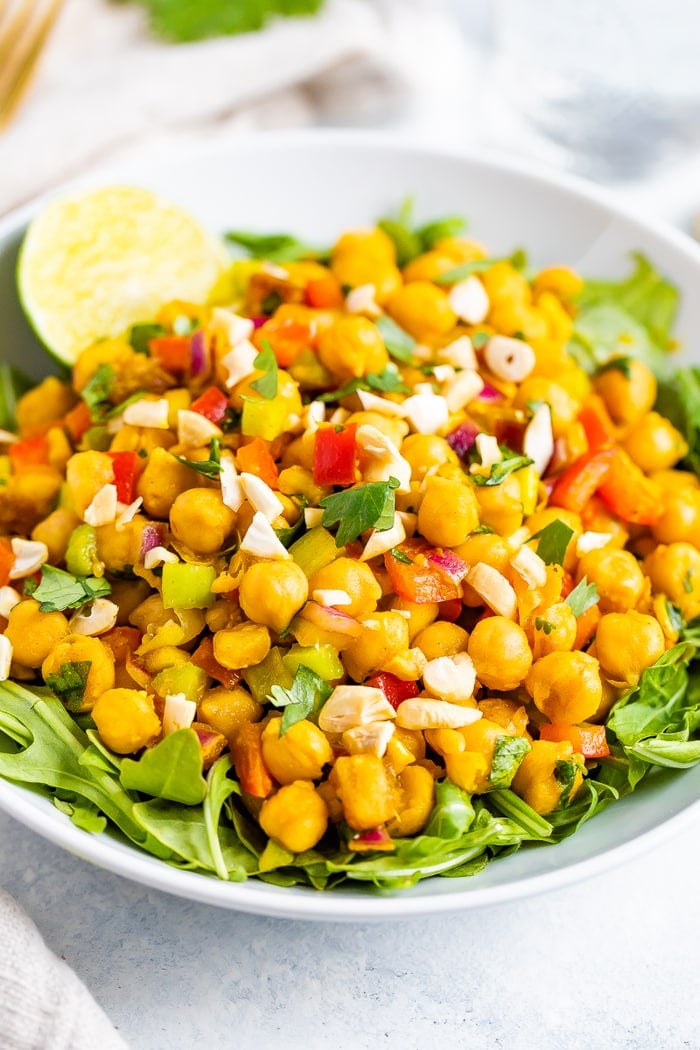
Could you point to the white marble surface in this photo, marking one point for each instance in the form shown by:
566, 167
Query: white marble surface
609, 962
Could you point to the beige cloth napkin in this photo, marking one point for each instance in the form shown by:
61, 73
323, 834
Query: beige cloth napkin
106, 86
43, 1005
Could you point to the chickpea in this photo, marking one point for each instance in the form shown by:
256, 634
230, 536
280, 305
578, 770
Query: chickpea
162, 481
34, 634
448, 512
500, 652
442, 639
86, 473
201, 520
423, 310
674, 570
509, 316
509, 714
74, 649
617, 575
244, 645
680, 521
421, 614
426, 450
365, 790
428, 266
501, 506
356, 579
126, 720
504, 283
654, 443
55, 531
628, 643
394, 429
367, 257
226, 709
351, 347
629, 392
416, 801
300, 753
562, 281
555, 630
387, 636
115, 352
272, 592
536, 780
564, 406
150, 614
296, 816
41, 405
566, 687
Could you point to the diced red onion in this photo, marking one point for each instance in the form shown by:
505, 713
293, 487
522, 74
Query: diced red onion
151, 536
372, 838
461, 440
258, 322
489, 393
199, 352
330, 619
449, 563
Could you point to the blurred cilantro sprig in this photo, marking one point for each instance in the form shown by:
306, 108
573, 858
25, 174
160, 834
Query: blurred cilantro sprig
184, 21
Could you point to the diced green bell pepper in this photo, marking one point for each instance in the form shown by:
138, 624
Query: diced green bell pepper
187, 586
315, 549
270, 671
323, 659
183, 678
265, 418
529, 482
81, 554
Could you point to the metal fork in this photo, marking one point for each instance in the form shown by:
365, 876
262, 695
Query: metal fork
24, 28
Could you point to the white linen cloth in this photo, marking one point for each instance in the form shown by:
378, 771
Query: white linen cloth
105, 85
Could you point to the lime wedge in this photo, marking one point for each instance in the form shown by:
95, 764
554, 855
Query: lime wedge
94, 264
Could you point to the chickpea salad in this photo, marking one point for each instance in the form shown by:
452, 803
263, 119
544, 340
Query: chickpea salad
382, 562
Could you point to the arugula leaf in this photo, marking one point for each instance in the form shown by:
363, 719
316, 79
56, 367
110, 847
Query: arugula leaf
140, 335
358, 509
386, 381
400, 345
277, 247
452, 814
69, 683
219, 789
583, 596
13, 383
305, 697
553, 541
266, 361
59, 590
500, 471
679, 400
210, 468
83, 814
617, 364
659, 703
97, 390
171, 770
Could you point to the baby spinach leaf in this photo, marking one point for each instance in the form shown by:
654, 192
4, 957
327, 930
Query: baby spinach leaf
83, 814
183, 832
171, 770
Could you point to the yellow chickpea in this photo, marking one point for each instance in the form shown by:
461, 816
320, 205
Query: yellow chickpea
423, 310
365, 790
501, 506
536, 780
272, 592
86, 473
244, 645
565, 687
617, 575
41, 405
351, 347
564, 406
34, 634
296, 816
562, 281
79, 649
449, 511
162, 481
300, 753
226, 709
356, 579
55, 532
680, 521
629, 392
442, 639
674, 570
367, 257
626, 644
126, 720
554, 630
420, 614
201, 520
654, 443
416, 801
504, 283
386, 636
428, 266
500, 653
426, 450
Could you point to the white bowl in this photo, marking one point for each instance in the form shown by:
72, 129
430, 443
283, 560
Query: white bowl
315, 184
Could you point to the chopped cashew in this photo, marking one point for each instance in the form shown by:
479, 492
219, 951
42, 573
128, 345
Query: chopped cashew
421, 713
381, 542
450, 677
261, 497
381, 458
262, 540
349, 706
103, 508
194, 429
509, 359
147, 413
178, 713
100, 617
371, 739
538, 440
30, 555
238, 363
469, 300
528, 564
494, 588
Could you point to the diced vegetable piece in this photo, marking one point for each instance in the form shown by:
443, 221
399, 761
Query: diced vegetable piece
334, 455
587, 739
203, 657
212, 404
597, 424
255, 458
81, 553
418, 577
7, 561
270, 671
314, 550
246, 752
323, 659
630, 494
183, 678
187, 586
394, 689
172, 352
577, 484
29, 453
126, 467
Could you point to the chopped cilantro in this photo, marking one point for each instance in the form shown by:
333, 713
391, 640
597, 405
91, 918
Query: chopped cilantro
69, 683
358, 509
210, 468
543, 625
386, 381
266, 361
59, 590
96, 391
400, 555
553, 541
621, 363
398, 342
306, 696
140, 336
500, 471
583, 596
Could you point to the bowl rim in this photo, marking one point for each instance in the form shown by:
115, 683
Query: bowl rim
299, 902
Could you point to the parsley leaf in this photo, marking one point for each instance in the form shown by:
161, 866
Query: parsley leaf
140, 335
58, 590
266, 361
398, 342
356, 510
583, 596
210, 468
70, 682
277, 247
553, 541
500, 471
97, 390
306, 696
386, 381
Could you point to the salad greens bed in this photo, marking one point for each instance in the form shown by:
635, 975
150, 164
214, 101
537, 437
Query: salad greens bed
200, 824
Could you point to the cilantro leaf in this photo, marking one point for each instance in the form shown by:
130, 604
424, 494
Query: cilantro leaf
541, 624
140, 335
59, 590
398, 342
97, 390
266, 361
69, 682
210, 468
358, 509
583, 596
305, 696
386, 381
400, 555
500, 471
277, 247
553, 541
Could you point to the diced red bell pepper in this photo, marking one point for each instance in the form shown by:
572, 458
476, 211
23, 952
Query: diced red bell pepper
419, 579
126, 467
212, 404
77, 421
203, 657
255, 458
394, 689
246, 752
575, 486
172, 352
450, 610
629, 493
32, 452
7, 561
287, 337
334, 455
587, 739
597, 424
324, 293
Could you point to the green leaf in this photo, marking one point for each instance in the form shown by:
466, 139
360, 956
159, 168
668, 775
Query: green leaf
437, 230
303, 699
70, 682
140, 335
518, 260
508, 753
400, 345
508, 803
83, 814
210, 468
679, 400
97, 390
277, 247
452, 814
386, 381
59, 590
401, 556
183, 831
13, 383
266, 361
358, 509
583, 597
219, 789
657, 704
407, 243
553, 541
171, 770
500, 471
617, 364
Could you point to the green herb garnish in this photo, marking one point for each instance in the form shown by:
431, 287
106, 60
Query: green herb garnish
553, 541
583, 596
398, 342
355, 510
266, 362
69, 682
277, 247
210, 468
305, 697
59, 590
